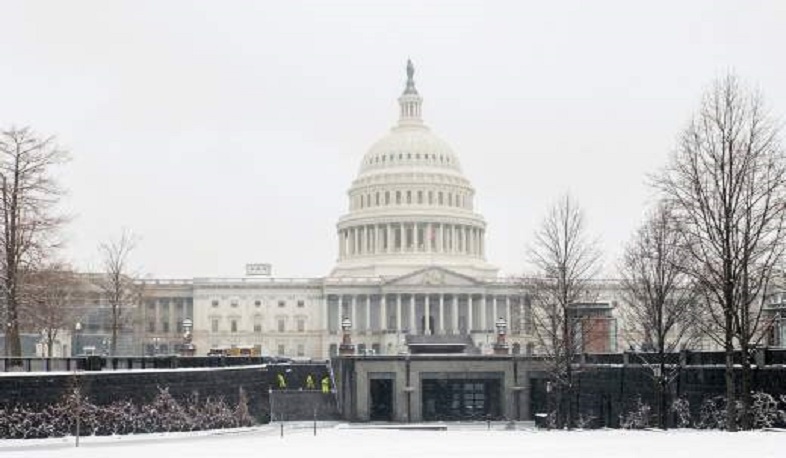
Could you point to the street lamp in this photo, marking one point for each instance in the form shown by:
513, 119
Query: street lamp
188, 348
501, 347
77, 343
346, 347
156, 345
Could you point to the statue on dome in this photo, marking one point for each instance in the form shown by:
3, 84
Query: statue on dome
410, 69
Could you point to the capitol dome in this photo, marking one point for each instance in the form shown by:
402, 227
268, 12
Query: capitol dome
410, 206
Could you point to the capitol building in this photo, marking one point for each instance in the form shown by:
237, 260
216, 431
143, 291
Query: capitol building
411, 262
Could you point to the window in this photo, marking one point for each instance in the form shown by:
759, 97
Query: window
281, 325
281, 349
301, 350
301, 304
439, 198
387, 197
233, 303
165, 326
420, 197
409, 197
214, 303
257, 304
398, 197
214, 325
301, 325
233, 325
151, 326
282, 303
257, 327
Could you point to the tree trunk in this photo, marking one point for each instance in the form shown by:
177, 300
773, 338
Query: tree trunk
731, 407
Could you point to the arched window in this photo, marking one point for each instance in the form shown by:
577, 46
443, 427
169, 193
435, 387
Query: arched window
376, 199
398, 197
430, 197
439, 198
409, 197
387, 197
420, 197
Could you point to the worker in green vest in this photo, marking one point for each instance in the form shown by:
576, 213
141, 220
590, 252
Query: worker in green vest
326, 384
282, 383
310, 382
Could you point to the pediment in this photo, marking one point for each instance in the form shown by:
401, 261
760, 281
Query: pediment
433, 276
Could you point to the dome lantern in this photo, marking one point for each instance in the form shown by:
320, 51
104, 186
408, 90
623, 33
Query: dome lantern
410, 101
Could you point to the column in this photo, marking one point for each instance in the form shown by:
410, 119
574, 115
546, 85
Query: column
383, 313
402, 238
495, 308
412, 318
389, 240
441, 314
454, 314
429, 237
470, 323
339, 313
340, 247
441, 238
353, 311
483, 314
378, 243
326, 314
368, 312
398, 313
355, 241
507, 311
426, 315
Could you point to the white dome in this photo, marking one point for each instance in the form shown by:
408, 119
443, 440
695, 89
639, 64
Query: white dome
411, 206
410, 146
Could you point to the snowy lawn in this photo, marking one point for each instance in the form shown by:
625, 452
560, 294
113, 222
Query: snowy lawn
346, 442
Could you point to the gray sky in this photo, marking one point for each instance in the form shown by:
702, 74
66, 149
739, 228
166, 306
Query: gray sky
225, 132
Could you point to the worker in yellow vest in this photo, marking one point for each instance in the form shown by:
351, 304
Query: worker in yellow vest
326, 384
282, 383
310, 382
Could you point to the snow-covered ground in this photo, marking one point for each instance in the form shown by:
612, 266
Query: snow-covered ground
458, 441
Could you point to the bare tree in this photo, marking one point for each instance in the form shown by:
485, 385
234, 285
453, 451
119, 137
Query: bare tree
660, 298
727, 182
117, 281
28, 197
566, 261
49, 301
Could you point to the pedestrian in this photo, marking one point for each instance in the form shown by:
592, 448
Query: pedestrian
310, 382
282, 383
326, 384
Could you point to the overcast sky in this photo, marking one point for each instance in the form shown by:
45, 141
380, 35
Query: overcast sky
224, 133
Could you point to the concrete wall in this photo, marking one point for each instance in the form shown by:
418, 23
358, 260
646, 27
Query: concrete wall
141, 386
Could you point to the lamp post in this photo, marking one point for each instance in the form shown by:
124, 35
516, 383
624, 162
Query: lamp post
188, 348
156, 345
77, 334
500, 346
346, 347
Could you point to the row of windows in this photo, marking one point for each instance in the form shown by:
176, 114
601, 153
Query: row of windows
281, 325
257, 303
412, 197
382, 158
